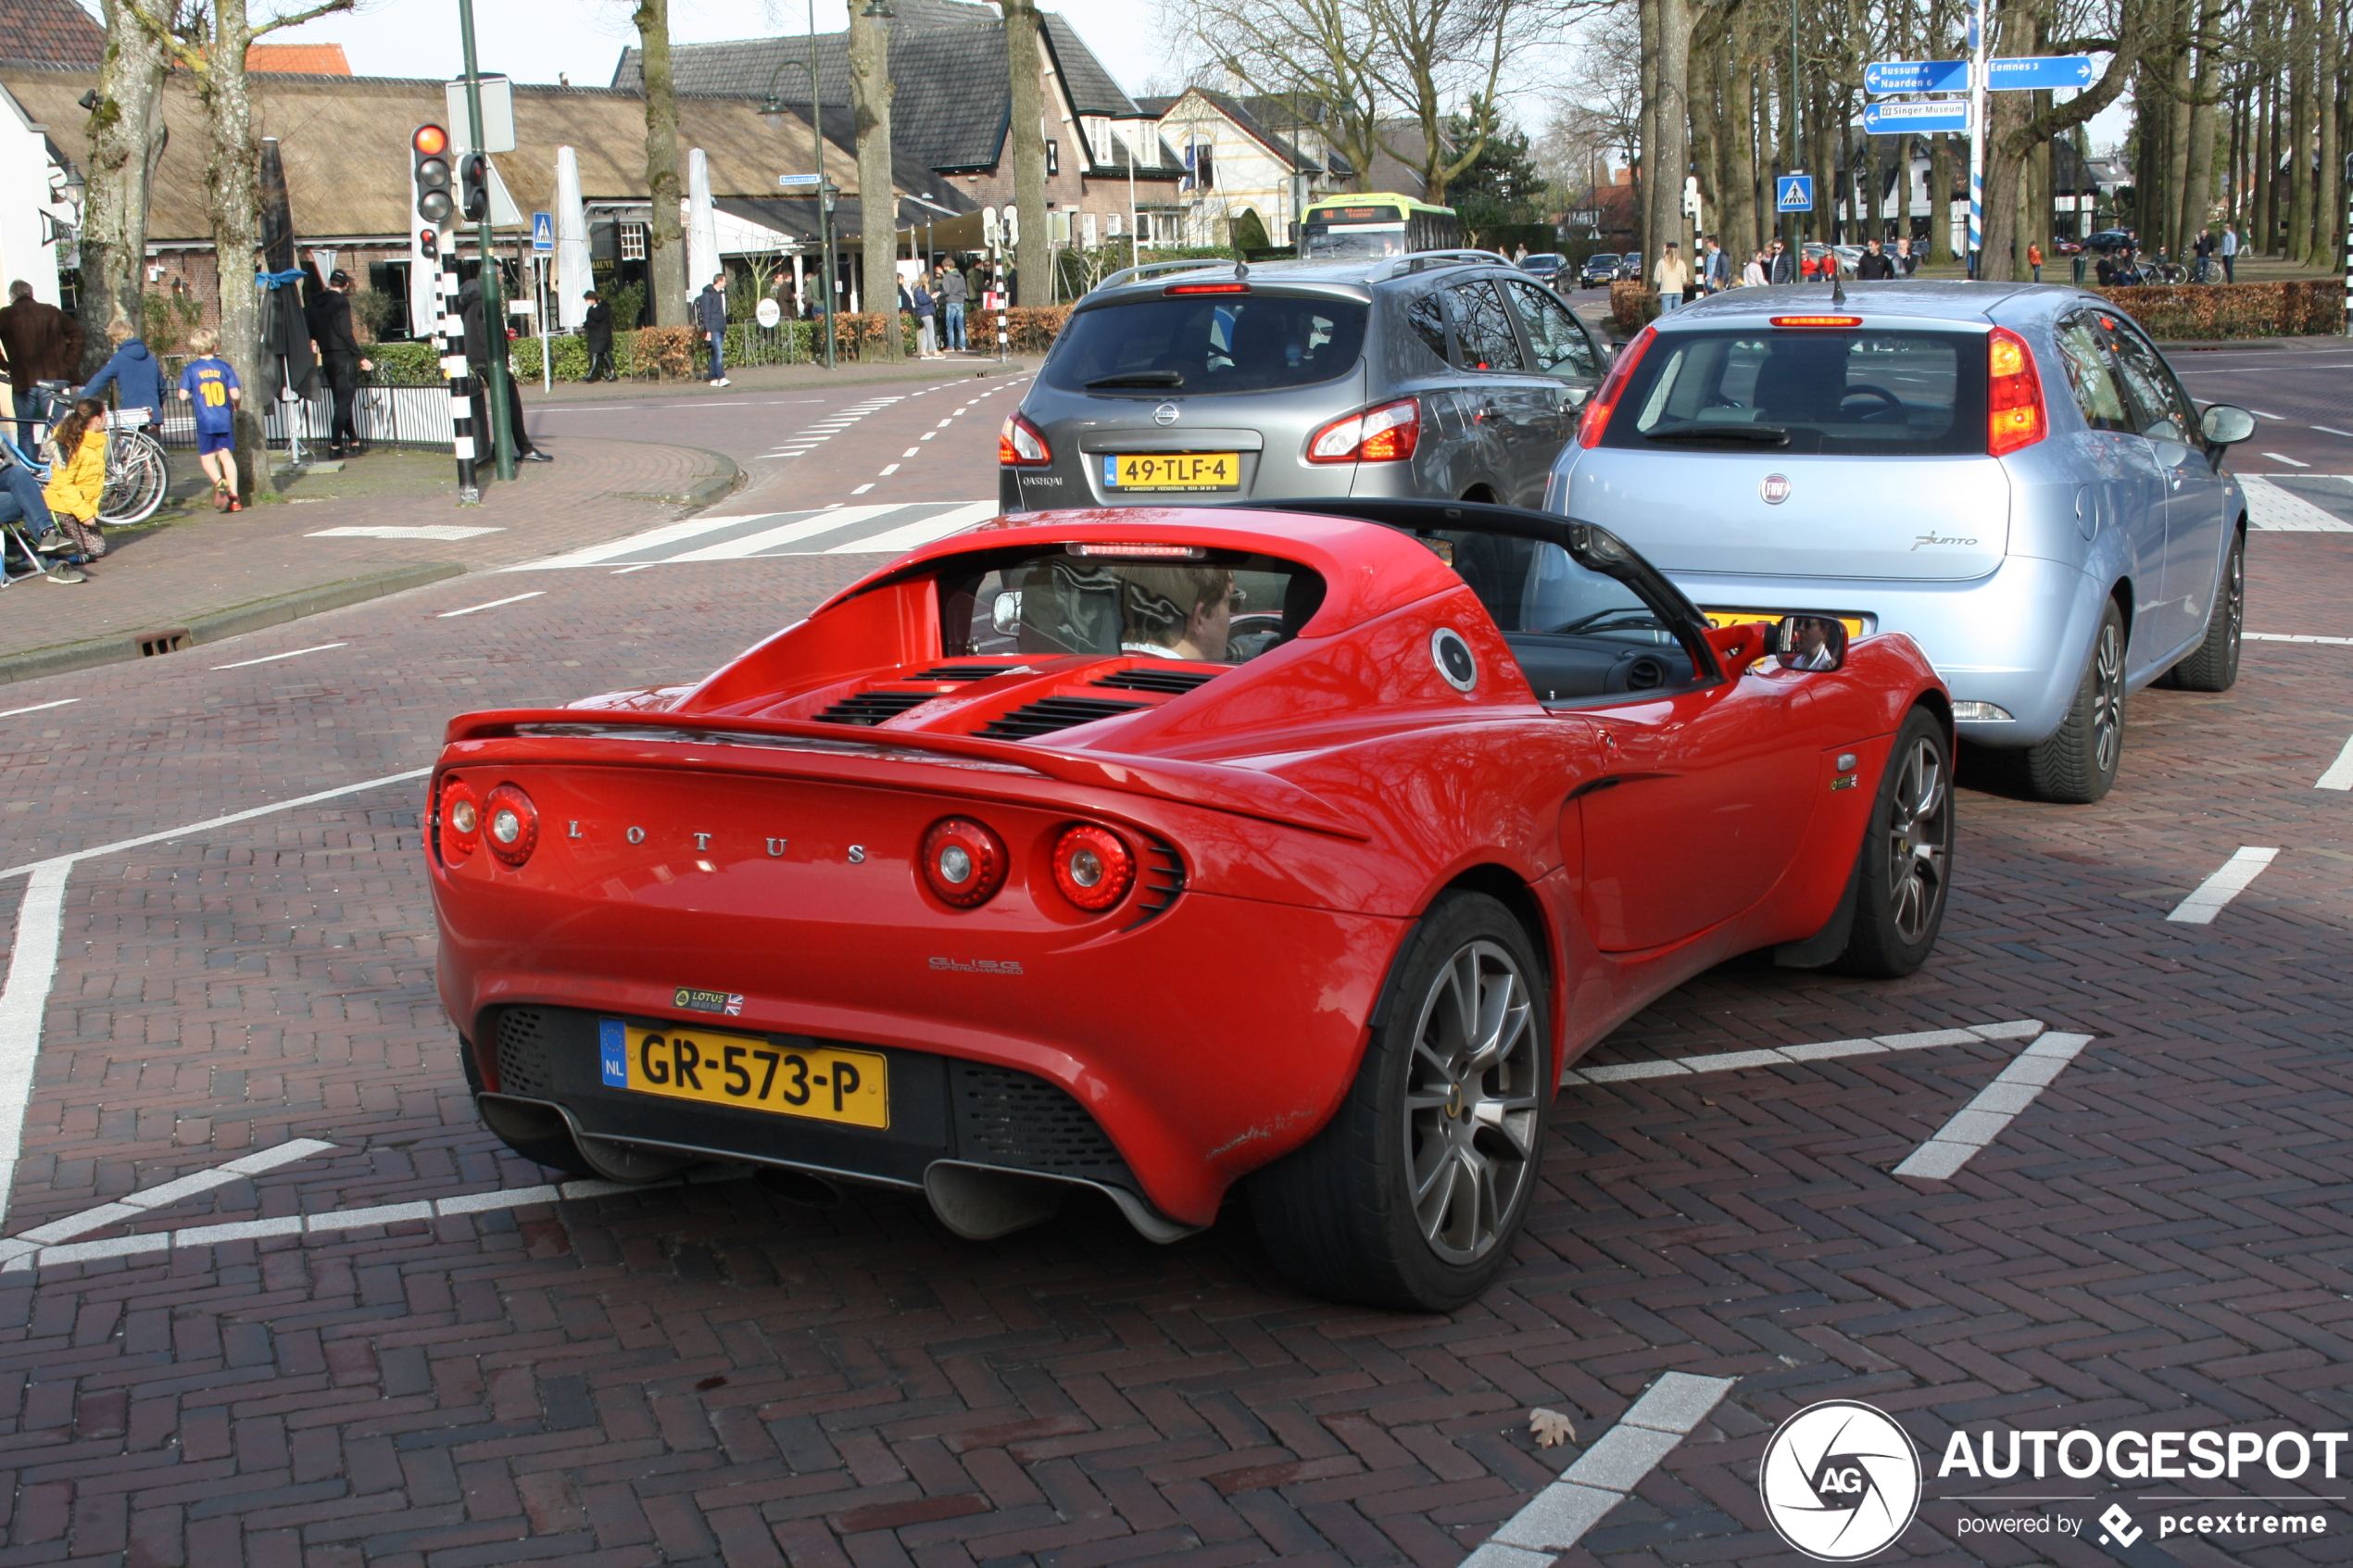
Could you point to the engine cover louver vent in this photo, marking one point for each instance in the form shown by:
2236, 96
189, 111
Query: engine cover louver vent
1173, 683
872, 707
1050, 713
957, 672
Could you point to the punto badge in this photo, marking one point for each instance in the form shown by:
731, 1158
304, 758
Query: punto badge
1166, 414
1775, 489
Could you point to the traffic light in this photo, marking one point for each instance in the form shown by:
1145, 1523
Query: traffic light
473, 187
429, 172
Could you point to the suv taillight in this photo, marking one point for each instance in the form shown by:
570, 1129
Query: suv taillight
1599, 407
2014, 416
1019, 444
1387, 433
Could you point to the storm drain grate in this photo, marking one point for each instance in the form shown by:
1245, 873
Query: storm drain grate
171, 639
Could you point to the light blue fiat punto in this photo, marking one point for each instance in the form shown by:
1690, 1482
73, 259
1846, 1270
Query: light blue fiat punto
2008, 472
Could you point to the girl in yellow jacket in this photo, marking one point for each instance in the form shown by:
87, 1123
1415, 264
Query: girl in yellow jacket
76, 452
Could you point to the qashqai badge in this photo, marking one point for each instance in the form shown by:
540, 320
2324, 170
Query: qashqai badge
1841, 1480
1452, 657
1775, 489
1166, 414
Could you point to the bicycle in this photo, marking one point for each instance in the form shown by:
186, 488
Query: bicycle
2168, 273
137, 473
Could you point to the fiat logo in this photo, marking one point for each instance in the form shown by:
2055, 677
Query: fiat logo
1775, 489
1166, 414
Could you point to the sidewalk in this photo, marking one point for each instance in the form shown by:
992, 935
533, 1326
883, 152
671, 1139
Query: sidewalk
207, 576
783, 378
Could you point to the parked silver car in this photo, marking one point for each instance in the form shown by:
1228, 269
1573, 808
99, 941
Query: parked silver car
1444, 375
2008, 472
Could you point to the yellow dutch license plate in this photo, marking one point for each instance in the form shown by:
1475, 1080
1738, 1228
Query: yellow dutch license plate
751, 1073
1744, 616
1173, 471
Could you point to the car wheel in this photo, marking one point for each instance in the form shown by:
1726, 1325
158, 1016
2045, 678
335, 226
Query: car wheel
1413, 1194
1906, 856
2214, 667
2078, 763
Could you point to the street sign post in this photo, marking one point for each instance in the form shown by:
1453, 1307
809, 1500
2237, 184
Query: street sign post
1793, 193
543, 233
1916, 76
2039, 72
1916, 119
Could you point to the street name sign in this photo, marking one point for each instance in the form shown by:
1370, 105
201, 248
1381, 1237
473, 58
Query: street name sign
1916, 119
2036, 72
1916, 76
1793, 193
803, 181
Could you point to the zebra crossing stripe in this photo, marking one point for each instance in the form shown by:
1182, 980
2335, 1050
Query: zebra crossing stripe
652, 539
908, 535
785, 533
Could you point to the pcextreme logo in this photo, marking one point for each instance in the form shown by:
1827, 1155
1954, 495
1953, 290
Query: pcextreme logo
1841, 1481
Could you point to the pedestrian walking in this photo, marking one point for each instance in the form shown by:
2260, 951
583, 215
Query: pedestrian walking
133, 370
1714, 268
925, 309
1670, 275
2230, 254
2034, 261
208, 384
1874, 265
711, 315
481, 344
1753, 275
338, 349
76, 453
1905, 262
596, 332
954, 294
1778, 264
40, 343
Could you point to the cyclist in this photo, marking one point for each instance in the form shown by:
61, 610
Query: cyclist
137, 378
210, 383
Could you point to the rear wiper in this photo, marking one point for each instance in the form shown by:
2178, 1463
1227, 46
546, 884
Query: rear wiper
1762, 435
1139, 378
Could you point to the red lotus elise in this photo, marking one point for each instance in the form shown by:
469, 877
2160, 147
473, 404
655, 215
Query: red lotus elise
1159, 851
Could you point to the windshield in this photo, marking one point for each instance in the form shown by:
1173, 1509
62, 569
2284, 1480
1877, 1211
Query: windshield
1605, 259
1217, 607
1873, 391
1197, 343
1352, 239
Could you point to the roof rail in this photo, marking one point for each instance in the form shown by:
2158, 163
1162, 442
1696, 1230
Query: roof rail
1153, 268
1422, 260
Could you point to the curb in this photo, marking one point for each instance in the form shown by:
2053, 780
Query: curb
69, 657
724, 480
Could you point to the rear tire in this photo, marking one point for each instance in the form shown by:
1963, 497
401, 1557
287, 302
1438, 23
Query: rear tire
2077, 765
1906, 857
1412, 1195
2214, 667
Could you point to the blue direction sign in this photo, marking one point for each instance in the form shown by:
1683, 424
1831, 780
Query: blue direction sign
1793, 193
1916, 76
2035, 72
543, 233
1916, 119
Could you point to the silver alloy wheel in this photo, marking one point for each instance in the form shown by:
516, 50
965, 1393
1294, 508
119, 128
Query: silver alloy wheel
1919, 838
1471, 1100
2108, 699
2234, 598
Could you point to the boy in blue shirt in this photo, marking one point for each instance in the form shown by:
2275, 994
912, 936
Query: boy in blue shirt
211, 385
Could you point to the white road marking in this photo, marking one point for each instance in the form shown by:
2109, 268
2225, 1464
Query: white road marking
1775, 1056
2340, 772
912, 534
131, 1204
2282, 457
785, 534
494, 604
627, 570
911, 451
392, 530
1554, 1519
274, 657
1981, 1121
862, 489
2207, 899
2330, 430
39, 706
2292, 637
889, 468
2269, 507
668, 534
2261, 415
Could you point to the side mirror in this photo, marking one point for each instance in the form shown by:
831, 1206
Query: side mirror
2226, 424
1809, 641
1004, 611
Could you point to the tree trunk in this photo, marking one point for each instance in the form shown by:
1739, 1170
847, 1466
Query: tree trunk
1023, 61
1940, 198
2166, 220
2264, 222
870, 91
665, 236
1646, 193
2299, 131
232, 194
2328, 207
1707, 125
2006, 114
124, 140
1738, 226
2197, 180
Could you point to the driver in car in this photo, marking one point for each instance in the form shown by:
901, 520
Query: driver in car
1177, 611
1811, 647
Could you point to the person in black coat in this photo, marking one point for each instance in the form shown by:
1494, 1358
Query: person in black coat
481, 343
1874, 263
595, 330
338, 349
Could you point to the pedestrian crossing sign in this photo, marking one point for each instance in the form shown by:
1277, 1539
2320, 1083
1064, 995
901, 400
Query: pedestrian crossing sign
1793, 193
543, 232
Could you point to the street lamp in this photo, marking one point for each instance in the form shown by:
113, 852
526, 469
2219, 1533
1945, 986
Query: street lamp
772, 109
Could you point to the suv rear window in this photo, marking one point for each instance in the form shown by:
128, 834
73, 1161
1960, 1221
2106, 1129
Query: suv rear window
1197, 343
1877, 391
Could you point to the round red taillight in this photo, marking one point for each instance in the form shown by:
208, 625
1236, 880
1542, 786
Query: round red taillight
1092, 866
962, 861
511, 825
460, 821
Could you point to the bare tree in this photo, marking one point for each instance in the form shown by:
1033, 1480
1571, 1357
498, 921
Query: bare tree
126, 139
870, 93
665, 235
1023, 61
1306, 52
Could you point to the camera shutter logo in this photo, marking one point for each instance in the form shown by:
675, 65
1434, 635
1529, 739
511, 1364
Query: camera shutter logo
1841, 1480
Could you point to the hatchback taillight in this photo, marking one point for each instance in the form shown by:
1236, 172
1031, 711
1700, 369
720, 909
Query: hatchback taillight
1599, 407
1387, 433
1020, 446
509, 824
2014, 415
963, 862
460, 829
1093, 866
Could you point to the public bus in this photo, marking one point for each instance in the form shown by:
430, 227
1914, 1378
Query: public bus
1377, 223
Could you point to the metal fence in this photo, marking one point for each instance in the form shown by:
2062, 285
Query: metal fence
386, 416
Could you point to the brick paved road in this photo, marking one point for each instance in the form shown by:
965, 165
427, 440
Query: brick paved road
705, 1374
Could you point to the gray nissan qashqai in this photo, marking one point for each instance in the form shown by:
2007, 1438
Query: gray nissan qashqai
1446, 375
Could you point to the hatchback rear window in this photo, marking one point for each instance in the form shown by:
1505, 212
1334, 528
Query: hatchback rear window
1197, 343
1873, 393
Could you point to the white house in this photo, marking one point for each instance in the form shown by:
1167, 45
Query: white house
40, 204
1261, 156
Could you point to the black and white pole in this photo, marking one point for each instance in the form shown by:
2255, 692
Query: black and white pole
2348, 245
461, 385
1004, 336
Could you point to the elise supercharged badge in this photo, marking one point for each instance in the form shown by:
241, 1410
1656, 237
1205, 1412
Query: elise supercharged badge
692, 1000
